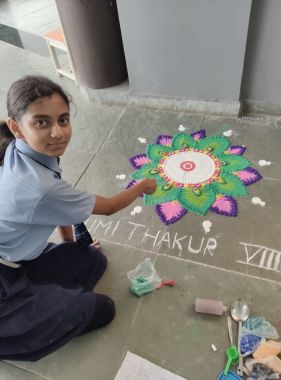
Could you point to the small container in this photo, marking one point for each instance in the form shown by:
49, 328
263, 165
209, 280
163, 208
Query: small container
209, 306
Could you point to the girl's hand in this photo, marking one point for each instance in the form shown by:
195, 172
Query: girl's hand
149, 186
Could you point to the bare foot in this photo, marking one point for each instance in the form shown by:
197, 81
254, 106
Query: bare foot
96, 244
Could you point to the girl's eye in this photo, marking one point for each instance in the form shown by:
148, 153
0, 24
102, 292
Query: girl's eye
64, 121
40, 123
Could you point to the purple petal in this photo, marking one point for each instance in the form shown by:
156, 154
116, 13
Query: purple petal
198, 135
170, 212
139, 160
248, 176
164, 140
236, 149
131, 184
225, 205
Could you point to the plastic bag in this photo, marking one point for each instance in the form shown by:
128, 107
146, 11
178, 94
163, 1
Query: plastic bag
249, 343
260, 372
272, 364
259, 326
144, 278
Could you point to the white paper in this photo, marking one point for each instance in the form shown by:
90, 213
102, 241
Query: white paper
136, 368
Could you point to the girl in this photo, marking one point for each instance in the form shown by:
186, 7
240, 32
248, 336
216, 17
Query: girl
45, 288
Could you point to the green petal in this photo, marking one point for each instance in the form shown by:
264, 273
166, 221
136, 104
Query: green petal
217, 144
145, 171
231, 186
182, 140
161, 195
153, 151
197, 203
233, 162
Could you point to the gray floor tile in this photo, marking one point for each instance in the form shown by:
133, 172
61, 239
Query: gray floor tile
16, 62
10, 372
232, 241
38, 17
91, 125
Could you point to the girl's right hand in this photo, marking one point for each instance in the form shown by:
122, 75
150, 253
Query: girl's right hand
148, 185
110, 205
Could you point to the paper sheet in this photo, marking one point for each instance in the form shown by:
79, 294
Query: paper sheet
136, 368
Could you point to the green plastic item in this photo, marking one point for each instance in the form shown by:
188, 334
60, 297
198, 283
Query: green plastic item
232, 356
144, 278
141, 286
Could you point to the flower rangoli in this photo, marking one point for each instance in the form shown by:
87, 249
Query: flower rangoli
194, 173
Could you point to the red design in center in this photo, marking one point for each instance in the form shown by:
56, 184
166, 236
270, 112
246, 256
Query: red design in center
187, 166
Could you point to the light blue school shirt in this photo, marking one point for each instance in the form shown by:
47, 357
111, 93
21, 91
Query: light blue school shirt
34, 201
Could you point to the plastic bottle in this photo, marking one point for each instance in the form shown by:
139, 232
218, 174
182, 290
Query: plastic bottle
209, 306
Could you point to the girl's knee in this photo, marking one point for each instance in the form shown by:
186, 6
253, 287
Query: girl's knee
99, 256
104, 313
105, 309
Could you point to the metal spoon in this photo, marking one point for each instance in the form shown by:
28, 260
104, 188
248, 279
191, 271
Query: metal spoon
240, 313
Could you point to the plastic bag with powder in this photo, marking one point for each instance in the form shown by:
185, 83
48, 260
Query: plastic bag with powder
144, 278
258, 326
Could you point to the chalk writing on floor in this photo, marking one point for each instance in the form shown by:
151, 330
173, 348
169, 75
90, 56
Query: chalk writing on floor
261, 257
258, 121
141, 234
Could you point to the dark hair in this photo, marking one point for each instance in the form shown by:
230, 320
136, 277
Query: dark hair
6, 137
20, 95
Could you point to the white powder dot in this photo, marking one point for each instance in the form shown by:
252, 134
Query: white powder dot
207, 226
142, 140
264, 163
181, 128
228, 133
258, 201
138, 209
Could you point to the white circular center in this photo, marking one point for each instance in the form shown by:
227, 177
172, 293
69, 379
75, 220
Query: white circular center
202, 167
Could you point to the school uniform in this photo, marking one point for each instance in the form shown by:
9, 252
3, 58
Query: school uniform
45, 288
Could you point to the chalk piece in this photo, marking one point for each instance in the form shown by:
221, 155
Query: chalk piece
214, 348
181, 128
142, 140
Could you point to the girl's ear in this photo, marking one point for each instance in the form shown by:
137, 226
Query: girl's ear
14, 128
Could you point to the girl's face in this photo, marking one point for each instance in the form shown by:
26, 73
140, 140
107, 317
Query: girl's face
45, 126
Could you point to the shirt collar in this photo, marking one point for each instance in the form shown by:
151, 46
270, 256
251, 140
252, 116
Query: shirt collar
48, 161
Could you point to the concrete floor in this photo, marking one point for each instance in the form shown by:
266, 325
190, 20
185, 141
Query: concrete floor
238, 258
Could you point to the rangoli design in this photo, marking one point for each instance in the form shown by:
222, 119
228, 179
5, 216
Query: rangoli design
194, 173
